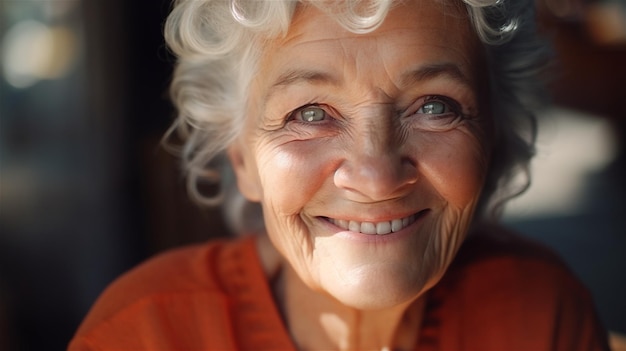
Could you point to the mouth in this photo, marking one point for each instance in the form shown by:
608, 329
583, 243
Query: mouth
376, 228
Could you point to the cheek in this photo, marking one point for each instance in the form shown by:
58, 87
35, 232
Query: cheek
293, 173
455, 164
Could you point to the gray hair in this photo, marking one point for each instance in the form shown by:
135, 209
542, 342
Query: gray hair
218, 43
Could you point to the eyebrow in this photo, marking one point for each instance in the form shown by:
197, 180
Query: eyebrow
432, 71
295, 76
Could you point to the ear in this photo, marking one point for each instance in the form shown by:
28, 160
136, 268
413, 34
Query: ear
247, 179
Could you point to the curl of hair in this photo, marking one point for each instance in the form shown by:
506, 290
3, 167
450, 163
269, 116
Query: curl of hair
217, 44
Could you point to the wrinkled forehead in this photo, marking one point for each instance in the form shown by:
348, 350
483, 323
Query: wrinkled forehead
430, 22
424, 30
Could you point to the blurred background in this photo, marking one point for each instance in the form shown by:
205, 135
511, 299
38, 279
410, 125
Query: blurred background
86, 191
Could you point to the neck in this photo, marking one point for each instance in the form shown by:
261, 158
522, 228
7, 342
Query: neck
317, 321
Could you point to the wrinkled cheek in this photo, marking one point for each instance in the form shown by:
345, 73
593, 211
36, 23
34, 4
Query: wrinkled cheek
445, 236
453, 226
457, 173
290, 179
461, 185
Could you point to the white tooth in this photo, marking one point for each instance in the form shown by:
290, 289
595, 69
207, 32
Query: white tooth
396, 225
383, 228
368, 228
380, 228
354, 226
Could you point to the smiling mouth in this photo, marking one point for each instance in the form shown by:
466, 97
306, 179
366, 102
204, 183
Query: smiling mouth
376, 228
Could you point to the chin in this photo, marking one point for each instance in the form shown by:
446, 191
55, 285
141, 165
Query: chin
375, 292
376, 301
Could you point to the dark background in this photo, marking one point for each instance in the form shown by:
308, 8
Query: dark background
87, 192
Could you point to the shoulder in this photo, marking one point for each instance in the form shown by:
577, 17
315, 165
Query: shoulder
493, 247
157, 299
499, 250
182, 270
506, 285
502, 266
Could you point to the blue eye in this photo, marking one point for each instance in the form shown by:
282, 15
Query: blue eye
433, 108
436, 113
312, 114
309, 114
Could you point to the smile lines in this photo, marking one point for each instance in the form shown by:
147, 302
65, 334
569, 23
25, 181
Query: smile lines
371, 228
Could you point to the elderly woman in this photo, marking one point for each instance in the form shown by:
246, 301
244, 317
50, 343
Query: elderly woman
377, 137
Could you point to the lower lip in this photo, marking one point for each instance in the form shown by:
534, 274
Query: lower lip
375, 238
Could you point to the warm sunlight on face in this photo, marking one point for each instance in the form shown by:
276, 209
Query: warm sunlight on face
368, 152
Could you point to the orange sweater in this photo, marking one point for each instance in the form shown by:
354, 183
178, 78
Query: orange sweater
501, 293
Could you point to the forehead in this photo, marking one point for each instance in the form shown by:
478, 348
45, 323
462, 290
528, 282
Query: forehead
414, 33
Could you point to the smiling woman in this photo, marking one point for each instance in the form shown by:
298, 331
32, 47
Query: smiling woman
374, 136
377, 154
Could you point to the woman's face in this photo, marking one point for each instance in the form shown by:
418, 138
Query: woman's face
367, 151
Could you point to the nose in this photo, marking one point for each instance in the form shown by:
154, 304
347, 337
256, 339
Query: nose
376, 167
